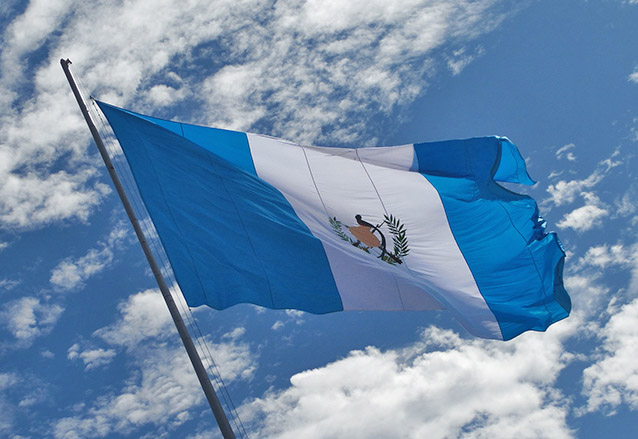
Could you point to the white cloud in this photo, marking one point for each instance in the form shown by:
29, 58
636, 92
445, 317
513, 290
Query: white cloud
32, 199
144, 315
294, 316
235, 333
19, 392
294, 313
442, 387
570, 156
47, 354
161, 395
586, 217
6, 418
28, 318
634, 130
203, 434
592, 277
291, 69
565, 151
633, 77
91, 358
600, 260
8, 380
329, 59
565, 192
613, 379
604, 256
162, 389
72, 273
460, 59
37, 132
9, 284
589, 295
163, 95
627, 205
29, 31
232, 357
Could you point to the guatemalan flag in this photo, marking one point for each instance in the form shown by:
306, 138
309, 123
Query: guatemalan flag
246, 218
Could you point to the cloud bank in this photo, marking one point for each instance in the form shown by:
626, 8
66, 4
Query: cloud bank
162, 391
441, 387
305, 70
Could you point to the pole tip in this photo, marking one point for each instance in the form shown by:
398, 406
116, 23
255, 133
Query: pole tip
65, 62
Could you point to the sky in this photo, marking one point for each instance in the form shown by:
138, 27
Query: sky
87, 348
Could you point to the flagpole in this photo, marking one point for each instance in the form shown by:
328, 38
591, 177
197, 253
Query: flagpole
200, 370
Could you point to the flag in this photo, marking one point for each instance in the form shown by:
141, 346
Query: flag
247, 218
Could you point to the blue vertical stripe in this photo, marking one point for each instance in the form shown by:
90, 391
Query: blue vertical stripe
230, 237
516, 265
511, 167
229, 145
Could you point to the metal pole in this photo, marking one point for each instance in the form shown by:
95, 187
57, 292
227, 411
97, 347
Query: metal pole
200, 370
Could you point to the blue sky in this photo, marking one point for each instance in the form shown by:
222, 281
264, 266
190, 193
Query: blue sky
87, 349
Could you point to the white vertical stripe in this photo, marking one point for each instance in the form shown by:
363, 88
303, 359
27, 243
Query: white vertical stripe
395, 157
338, 185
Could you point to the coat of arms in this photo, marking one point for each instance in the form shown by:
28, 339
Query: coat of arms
368, 236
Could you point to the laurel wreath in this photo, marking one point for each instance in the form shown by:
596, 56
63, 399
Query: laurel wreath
399, 237
336, 226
